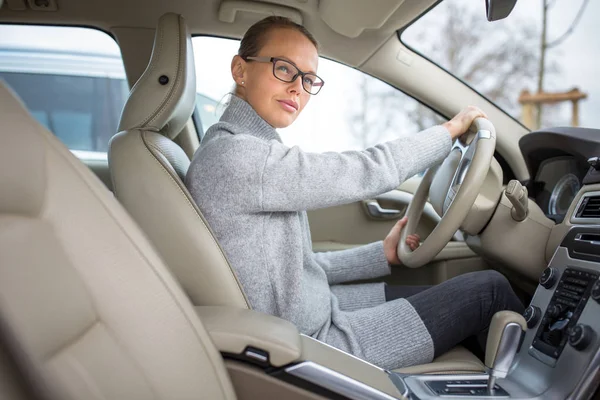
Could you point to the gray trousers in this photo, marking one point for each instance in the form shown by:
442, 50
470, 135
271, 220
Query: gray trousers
459, 311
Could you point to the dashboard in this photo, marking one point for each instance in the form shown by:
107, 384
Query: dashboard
557, 161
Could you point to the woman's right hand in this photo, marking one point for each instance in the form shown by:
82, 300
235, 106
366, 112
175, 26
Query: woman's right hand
463, 120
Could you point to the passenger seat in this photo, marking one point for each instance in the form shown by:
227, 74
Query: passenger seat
87, 308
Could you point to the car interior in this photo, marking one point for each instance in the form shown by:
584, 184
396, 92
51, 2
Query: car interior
112, 284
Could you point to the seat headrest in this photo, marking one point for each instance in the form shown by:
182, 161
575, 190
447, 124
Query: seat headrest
163, 98
22, 157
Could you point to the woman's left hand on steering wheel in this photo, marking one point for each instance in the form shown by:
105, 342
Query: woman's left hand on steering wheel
390, 243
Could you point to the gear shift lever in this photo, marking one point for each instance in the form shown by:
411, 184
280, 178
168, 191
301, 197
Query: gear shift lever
502, 343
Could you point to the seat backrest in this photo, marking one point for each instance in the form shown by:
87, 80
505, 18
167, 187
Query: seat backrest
148, 170
88, 310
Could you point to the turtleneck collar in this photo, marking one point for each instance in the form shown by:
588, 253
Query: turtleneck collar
240, 113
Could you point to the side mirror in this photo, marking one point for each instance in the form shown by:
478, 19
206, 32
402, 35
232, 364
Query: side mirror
498, 9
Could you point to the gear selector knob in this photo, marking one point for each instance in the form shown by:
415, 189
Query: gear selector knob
502, 344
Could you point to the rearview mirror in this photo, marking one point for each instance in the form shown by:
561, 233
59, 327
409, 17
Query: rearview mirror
498, 9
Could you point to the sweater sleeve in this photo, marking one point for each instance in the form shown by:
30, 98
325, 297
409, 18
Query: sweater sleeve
363, 262
293, 180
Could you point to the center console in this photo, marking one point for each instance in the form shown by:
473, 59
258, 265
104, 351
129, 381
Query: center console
559, 324
558, 357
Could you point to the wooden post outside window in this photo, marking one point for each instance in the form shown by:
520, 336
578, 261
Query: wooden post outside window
529, 100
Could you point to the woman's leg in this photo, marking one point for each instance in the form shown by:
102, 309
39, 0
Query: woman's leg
463, 307
393, 292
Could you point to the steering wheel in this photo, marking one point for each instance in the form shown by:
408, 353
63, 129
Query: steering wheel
452, 189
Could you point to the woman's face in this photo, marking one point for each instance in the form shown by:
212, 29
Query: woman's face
279, 103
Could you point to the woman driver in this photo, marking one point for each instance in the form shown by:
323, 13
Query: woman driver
254, 191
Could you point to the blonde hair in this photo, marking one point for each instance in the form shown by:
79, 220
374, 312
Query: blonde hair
255, 36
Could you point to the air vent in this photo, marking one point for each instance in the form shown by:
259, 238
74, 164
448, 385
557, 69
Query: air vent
589, 207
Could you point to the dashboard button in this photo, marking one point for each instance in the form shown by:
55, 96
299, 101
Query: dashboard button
573, 288
569, 295
567, 303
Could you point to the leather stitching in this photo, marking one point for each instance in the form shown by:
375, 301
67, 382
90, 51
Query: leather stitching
156, 148
170, 175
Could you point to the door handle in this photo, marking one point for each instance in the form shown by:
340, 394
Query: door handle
375, 210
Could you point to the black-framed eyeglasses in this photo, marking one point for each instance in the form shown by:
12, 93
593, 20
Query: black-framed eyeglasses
286, 71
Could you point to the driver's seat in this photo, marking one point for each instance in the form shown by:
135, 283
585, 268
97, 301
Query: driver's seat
148, 170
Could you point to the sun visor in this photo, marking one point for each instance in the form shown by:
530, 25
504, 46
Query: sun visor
229, 11
351, 17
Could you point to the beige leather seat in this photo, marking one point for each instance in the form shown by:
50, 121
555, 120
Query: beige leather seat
87, 308
148, 170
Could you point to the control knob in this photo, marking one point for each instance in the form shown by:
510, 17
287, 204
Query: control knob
554, 310
596, 291
548, 277
532, 316
580, 336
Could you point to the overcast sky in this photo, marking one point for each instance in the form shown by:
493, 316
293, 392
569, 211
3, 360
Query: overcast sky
324, 124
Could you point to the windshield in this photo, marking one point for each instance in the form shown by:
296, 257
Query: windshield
541, 86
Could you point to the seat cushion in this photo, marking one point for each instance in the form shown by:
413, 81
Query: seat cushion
457, 361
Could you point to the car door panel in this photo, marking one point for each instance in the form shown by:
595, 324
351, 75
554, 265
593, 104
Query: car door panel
353, 224
357, 223
350, 225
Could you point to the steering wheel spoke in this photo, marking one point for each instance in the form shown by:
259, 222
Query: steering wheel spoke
467, 151
449, 198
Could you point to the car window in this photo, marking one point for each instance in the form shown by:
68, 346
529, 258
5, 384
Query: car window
71, 79
207, 109
353, 110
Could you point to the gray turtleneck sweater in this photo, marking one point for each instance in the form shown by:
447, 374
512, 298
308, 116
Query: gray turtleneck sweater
254, 191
